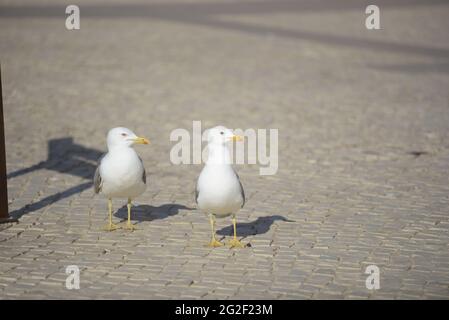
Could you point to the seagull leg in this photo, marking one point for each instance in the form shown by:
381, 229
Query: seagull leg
110, 226
235, 243
213, 242
129, 225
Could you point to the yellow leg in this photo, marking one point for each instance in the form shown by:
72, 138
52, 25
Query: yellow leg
213, 242
235, 243
110, 226
129, 225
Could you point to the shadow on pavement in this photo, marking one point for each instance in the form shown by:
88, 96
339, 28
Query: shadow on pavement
149, 213
415, 68
205, 14
67, 157
259, 226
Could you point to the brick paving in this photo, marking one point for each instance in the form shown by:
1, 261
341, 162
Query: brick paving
363, 119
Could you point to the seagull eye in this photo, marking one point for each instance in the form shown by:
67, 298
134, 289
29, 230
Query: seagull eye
222, 133
124, 134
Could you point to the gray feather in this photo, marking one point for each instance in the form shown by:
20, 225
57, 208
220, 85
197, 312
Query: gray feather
197, 192
98, 182
242, 192
144, 175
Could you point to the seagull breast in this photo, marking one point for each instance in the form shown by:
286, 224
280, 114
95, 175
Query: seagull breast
219, 190
122, 173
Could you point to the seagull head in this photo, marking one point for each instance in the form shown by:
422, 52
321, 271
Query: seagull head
123, 137
220, 135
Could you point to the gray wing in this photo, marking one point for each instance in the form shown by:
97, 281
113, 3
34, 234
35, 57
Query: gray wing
197, 192
242, 192
144, 175
98, 182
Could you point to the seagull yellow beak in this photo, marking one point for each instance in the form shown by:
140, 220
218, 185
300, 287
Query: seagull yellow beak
140, 140
237, 138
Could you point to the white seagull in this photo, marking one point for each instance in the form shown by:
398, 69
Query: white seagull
120, 172
219, 192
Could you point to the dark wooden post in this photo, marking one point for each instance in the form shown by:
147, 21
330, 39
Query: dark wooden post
4, 215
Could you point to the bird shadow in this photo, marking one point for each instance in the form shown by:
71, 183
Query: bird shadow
259, 226
63, 156
149, 213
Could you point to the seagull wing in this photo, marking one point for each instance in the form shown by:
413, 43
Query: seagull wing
98, 182
144, 174
197, 192
242, 192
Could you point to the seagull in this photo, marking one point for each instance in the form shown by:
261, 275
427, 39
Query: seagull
219, 192
120, 172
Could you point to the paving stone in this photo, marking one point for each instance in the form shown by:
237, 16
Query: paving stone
363, 125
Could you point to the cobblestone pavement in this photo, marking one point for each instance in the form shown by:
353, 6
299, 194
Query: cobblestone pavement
363, 119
